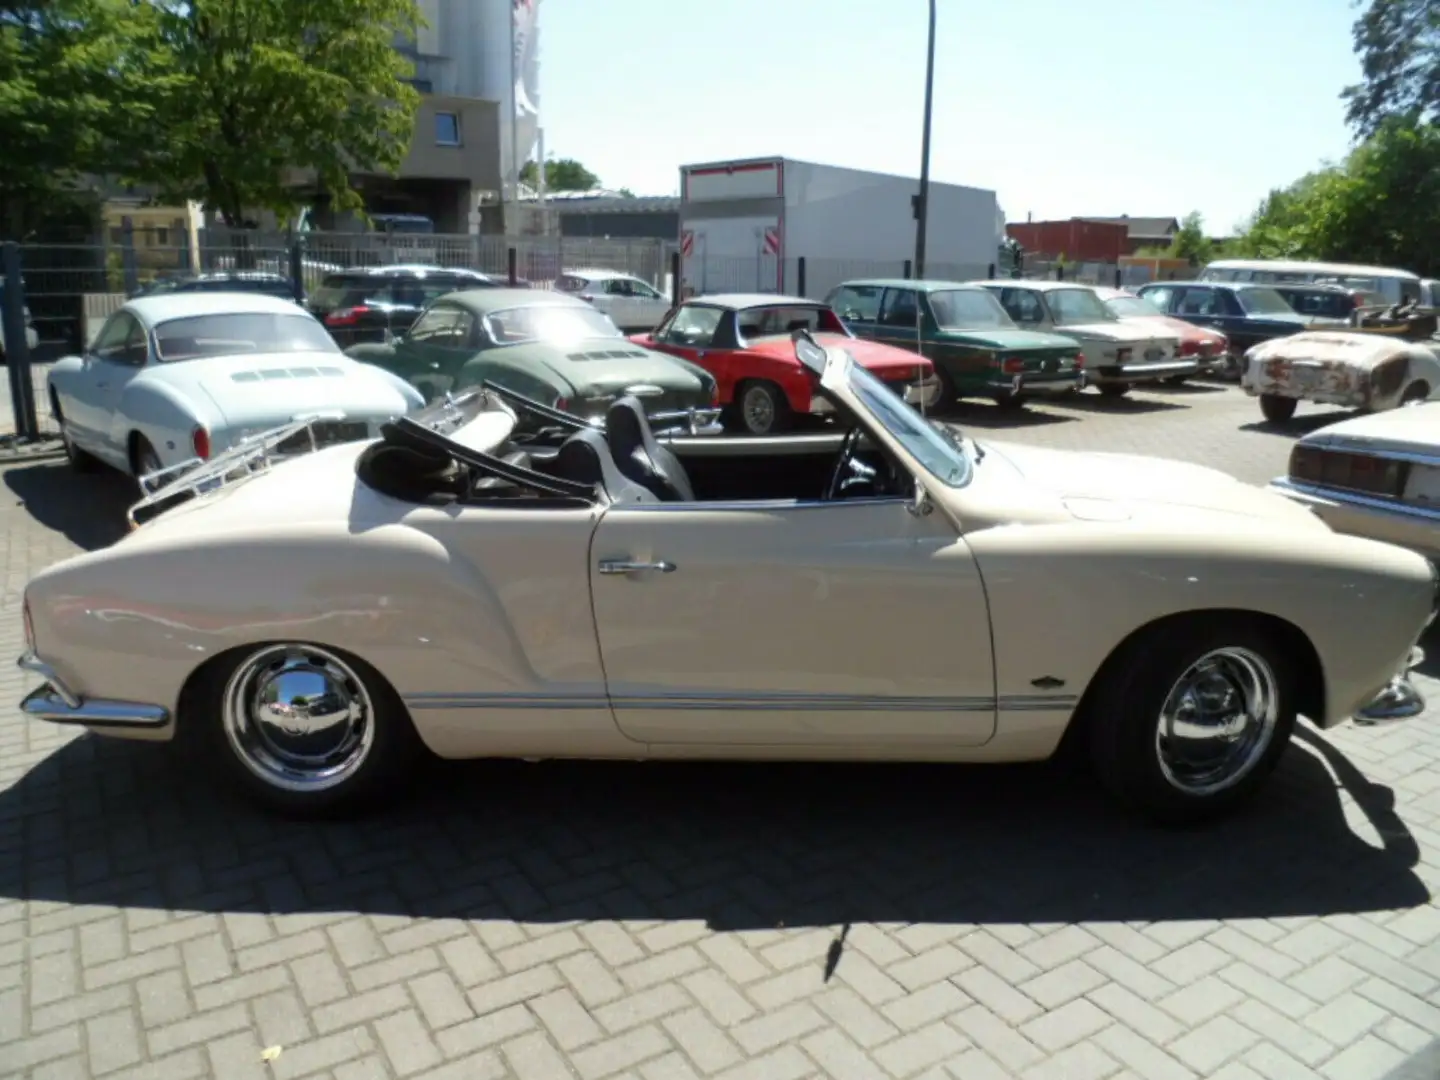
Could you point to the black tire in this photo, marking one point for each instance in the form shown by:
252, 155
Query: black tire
250, 759
1415, 394
1277, 409
1126, 707
949, 393
1175, 380
1113, 389
79, 460
1011, 402
755, 401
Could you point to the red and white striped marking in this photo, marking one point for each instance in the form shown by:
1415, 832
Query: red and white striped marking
687, 242
771, 242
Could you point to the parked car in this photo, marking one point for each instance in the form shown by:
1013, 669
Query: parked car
1208, 346
622, 596
181, 377
631, 303
370, 304
1376, 476
1326, 305
32, 337
1395, 286
1389, 360
1245, 314
743, 340
258, 281
1118, 355
976, 348
549, 346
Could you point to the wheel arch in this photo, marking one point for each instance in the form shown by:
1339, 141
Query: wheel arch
1310, 691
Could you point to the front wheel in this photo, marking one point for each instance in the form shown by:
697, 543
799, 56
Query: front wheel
1277, 409
1113, 389
1191, 720
305, 730
1010, 401
1175, 380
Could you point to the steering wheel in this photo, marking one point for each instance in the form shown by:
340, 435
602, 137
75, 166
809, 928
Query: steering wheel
849, 469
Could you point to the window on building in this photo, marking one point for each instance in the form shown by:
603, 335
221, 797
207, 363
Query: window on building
447, 129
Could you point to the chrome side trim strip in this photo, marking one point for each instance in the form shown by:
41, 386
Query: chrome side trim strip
44, 703
776, 702
1300, 492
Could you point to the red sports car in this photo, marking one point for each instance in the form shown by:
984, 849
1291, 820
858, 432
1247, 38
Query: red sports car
744, 341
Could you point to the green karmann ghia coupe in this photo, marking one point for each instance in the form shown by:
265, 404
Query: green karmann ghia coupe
552, 348
976, 348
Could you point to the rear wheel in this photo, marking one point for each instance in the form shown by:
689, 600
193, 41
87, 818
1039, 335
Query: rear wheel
143, 459
1190, 721
1010, 401
1415, 394
1277, 409
1113, 389
760, 408
1175, 380
305, 730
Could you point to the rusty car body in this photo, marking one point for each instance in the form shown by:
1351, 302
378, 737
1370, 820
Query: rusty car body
1385, 361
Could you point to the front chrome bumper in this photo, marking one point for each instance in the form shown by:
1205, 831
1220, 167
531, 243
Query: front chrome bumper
57, 703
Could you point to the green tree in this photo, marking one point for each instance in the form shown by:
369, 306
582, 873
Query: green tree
561, 174
261, 90
80, 87
1190, 242
1380, 206
1398, 43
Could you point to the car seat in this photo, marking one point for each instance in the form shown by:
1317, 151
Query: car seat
640, 457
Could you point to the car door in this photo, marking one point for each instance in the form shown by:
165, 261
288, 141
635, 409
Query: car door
691, 333
1025, 307
435, 348
650, 305
898, 319
120, 352
620, 303
1196, 305
753, 624
858, 307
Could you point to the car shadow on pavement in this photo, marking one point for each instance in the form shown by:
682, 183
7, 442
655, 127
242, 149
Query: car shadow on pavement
1187, 387
970, 414
1127, 405
88, 509
739, 846
1302, 424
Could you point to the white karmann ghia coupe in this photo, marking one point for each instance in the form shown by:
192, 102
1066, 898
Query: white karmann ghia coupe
493, 578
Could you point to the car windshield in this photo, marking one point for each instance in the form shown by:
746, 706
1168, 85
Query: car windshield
553, 324
1131, 307
969, 309
1325, 305
787, 318
198, 336
935, 447
1071, 307
1263, 302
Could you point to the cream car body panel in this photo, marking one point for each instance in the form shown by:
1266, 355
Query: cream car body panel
1000, 597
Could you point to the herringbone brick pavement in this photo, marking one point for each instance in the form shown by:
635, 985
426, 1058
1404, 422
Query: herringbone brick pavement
676, 921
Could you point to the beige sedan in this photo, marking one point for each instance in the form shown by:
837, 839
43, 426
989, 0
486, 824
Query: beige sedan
495, 579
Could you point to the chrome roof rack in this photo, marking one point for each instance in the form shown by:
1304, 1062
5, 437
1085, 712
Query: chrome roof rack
253, 454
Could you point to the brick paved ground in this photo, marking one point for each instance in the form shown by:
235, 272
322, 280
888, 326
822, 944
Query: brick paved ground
685, 921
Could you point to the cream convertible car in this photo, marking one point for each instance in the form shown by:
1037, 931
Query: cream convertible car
483, 587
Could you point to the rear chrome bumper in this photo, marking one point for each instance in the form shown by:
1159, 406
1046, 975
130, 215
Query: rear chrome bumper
1142, 371
57, 703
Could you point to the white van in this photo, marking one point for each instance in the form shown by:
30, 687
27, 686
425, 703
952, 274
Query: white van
1394, 285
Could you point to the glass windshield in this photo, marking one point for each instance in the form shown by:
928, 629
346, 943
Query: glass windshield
1072, 307
770, 321
969, 309
199, 336
553, 324
1131, 307
933, 446
1263, 302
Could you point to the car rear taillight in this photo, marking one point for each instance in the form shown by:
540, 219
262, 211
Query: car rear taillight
347, 316
1189, 348
562, 404
200, 439
1012, 365
1080, 360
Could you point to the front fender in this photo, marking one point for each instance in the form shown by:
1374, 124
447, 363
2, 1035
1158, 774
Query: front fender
1063, 596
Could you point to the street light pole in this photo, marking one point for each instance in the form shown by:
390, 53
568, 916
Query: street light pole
922, 201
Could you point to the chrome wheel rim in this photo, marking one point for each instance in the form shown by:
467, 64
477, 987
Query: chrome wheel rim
298, 717
1217, 722
759, 410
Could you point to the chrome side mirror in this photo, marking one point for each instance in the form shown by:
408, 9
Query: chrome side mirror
919, 503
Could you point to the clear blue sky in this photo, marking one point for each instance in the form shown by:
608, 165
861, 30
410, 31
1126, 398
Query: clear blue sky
1062, 107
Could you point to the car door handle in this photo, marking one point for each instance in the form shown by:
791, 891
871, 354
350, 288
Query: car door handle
626, 566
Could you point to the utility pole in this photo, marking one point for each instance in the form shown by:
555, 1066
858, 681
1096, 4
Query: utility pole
922, 201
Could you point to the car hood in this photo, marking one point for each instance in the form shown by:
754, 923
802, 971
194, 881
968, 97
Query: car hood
1415, 429
1015, 340
1354, 349
1122, 487
607, 366
870, 355
1119, 331
256, 392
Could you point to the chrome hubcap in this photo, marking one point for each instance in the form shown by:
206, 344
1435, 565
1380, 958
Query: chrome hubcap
1218, 721
759, 410
298, 718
